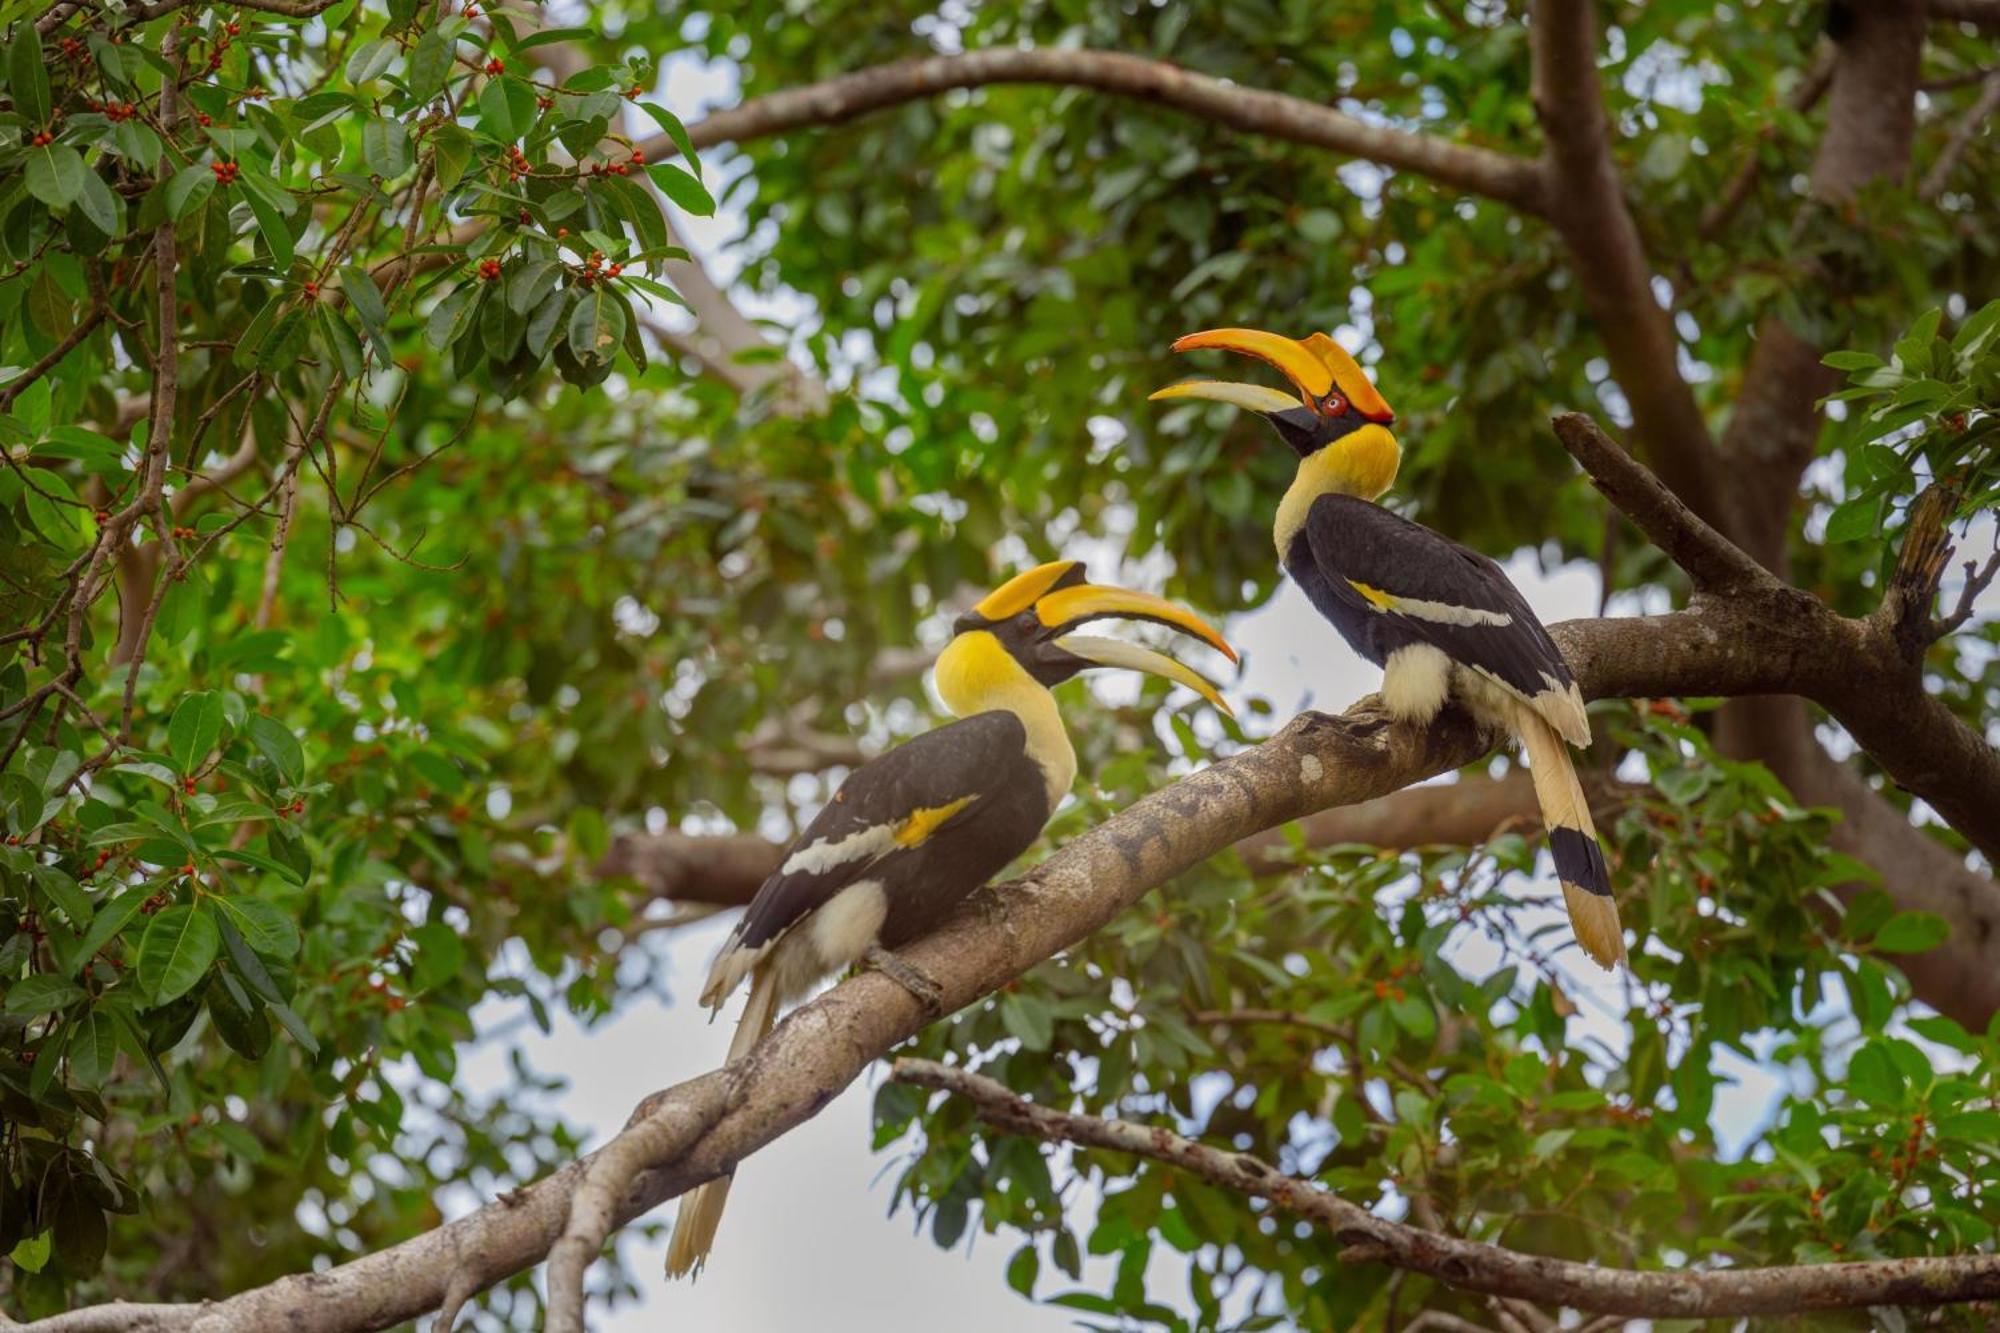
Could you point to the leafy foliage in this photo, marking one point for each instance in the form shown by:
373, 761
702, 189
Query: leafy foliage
1394, 1027
327, 679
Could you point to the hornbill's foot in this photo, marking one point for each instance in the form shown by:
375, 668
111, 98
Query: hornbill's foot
909, 976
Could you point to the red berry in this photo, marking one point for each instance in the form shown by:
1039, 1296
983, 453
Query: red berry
496, 66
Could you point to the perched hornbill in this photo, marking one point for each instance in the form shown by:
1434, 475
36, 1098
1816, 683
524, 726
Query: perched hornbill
910, 834
1441, 620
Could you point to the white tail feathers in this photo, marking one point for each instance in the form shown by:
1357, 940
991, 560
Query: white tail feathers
1586, 880
701, 1208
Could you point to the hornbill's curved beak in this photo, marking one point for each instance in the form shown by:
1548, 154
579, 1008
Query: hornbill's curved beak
1050, 602
1069, 608
1329, 381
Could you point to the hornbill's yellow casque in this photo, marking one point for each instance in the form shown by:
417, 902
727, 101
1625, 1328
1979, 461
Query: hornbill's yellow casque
1441, 620
910, 834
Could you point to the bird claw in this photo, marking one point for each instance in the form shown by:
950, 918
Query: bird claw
910, 977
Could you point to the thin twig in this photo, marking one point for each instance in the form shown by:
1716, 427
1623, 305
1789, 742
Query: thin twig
1471, 1265
1962, 135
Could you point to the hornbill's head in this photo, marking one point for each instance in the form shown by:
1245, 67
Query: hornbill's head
1031, 619
1333, 401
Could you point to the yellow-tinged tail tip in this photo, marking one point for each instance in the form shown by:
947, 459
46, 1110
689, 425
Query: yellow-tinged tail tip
694, 1228
1594, 918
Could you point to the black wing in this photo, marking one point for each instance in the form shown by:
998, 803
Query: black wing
1427, 588
932, 784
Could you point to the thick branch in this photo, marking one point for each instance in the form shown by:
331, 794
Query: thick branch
1474, 1266
1588, 209
1711, 560
1500, 176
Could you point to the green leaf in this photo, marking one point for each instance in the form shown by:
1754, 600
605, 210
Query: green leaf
530, 283
451, 150
188, 189
507, 108
93, 1048
42, 993
194, 730
275, 741
80, 1234
550, 36
1854, 520
1911, 932
370, 60
385, 146
1978, 329
1852, 360
1023, 1269
430, 66
111, 919
32, 1254
271, 223
1873, 1076
596, 325
675, 130
55, 174
683, 188
450, 317
28, 76
543, 323
104, 209
366, 300
178, 947
265, 926
440, 955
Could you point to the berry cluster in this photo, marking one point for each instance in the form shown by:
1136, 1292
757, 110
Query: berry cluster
638, 159
489, 269
595, 269
517, 162
225, 172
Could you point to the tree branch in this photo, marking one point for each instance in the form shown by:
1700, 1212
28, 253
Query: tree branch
1500, 176
1711, 560
1962, 135
1983, 13
1719, 645
1472, 1265
1588, 210
1718, 215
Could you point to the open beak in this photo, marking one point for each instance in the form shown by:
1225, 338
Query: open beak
1100, 651
1067, 609
1318, 367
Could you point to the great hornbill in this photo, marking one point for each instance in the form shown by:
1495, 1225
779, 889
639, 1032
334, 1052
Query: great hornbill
1440, 619
908, 835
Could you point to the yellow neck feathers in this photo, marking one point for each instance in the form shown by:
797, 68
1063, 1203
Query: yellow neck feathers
976, 675
1363, 462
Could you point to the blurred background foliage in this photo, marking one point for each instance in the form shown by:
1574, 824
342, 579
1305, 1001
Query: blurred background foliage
543, 584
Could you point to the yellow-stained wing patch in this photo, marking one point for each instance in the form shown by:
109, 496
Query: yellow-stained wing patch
918, 826
1378, 599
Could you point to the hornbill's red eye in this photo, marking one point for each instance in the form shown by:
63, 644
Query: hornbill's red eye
1332, 405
